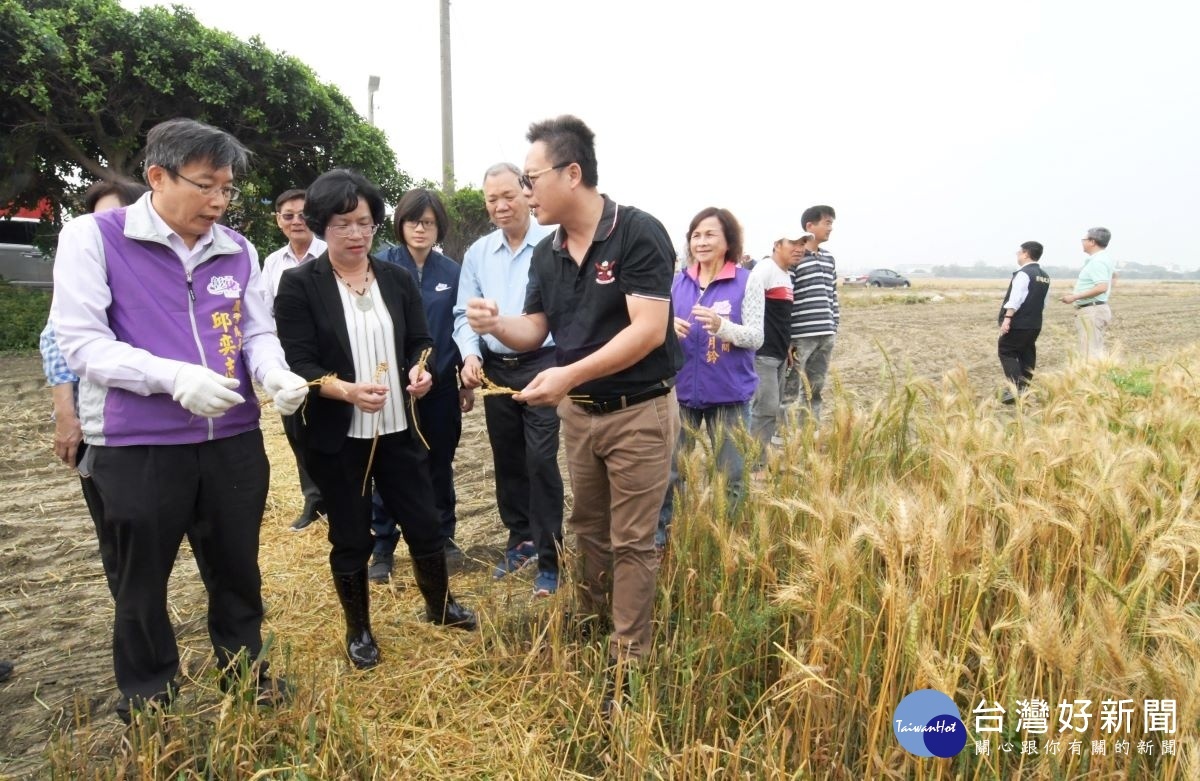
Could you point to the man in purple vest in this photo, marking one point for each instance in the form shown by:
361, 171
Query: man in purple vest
164, 316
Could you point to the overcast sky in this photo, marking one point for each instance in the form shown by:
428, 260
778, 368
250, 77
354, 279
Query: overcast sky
941, 131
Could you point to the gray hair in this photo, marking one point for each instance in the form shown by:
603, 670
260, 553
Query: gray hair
501, 168
175, 143
1100, 235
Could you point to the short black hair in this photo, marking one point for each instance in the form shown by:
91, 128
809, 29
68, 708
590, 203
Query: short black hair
338, 192
816, 214
289, 195
568, 140
412, 208
126, 190
1034, 249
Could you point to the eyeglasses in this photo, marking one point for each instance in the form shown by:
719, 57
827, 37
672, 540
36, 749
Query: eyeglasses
526, 180
353, 229
289, 216
230, 194
424, 224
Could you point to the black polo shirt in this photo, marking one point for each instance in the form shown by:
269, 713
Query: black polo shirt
631, 255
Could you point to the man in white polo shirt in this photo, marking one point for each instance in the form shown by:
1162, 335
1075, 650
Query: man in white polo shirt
302, 247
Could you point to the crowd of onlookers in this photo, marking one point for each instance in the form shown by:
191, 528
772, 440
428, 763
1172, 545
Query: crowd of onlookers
162, 323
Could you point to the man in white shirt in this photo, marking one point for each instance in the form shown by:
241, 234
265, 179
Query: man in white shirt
302, 247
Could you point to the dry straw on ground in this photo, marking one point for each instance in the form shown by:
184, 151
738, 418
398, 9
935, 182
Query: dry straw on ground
927, 540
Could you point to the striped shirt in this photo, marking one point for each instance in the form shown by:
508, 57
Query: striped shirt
814, 296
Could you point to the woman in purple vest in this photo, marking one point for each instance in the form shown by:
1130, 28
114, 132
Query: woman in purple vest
358, 325
719, 322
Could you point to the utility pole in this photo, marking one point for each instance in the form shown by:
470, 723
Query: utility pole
447, 104
372, 88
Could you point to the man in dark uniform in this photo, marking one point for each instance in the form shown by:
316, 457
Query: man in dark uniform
1021, 318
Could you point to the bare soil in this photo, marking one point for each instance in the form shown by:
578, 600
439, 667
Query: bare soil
55, 611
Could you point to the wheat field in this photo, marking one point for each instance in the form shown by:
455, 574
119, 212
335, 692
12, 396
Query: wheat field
924, 537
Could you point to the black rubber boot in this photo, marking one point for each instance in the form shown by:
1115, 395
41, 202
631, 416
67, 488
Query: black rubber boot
434, 582
360, 643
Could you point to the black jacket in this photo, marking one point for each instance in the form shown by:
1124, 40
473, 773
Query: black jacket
312, 329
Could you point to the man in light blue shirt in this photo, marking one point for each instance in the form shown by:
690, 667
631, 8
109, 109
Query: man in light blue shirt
524, 439
1090, 297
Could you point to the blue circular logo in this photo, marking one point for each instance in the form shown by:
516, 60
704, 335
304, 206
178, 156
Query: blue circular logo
927, 724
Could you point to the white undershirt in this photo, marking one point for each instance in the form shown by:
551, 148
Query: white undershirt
372, 342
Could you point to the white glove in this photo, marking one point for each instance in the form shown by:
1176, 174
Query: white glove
203, 392
286, 388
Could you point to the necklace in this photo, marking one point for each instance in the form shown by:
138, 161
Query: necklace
364, 302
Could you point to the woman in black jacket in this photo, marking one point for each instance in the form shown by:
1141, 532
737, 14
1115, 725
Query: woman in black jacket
357, 325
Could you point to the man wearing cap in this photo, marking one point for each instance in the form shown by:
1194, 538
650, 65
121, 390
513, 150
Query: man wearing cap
771, 360
1090, 297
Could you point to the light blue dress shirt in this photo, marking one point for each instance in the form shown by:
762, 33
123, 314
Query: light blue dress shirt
492, 270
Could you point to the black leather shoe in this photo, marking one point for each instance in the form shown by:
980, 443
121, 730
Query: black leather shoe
584, 628
268, 691
148, 705
380, 570
6, 669
313, 510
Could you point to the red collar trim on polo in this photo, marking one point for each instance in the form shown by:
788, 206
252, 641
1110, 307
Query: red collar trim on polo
728, 271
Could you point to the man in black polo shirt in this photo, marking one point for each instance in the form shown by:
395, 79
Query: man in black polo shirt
602, 286
1021, 318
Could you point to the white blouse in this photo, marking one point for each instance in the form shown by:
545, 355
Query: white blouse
373, 345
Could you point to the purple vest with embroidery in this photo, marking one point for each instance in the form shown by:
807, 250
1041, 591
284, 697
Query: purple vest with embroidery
714, 371
154, 309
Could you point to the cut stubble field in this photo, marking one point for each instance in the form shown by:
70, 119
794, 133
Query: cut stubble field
56, 614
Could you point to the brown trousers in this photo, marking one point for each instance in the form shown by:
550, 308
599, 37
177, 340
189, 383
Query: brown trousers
620, 464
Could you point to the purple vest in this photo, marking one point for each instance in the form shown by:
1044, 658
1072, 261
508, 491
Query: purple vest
155, 308
714, 371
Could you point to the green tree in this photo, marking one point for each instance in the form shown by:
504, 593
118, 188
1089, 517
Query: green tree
468, 221
85, 80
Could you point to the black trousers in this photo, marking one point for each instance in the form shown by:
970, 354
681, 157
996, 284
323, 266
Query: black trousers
400, 473
524, 439
214, 494
441, 423
106, 540
1018, 354
308, 486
